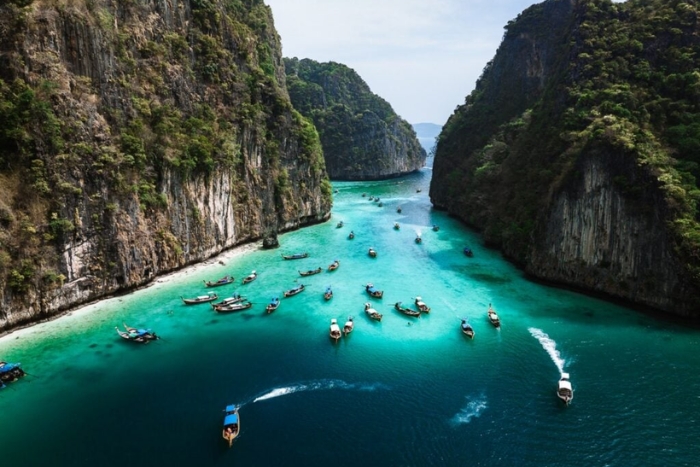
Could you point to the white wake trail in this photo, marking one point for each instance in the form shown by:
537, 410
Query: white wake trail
318, 386
473, 409
550, 346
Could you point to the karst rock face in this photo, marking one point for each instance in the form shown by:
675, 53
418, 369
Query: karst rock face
577, 152
361, 135
137, 137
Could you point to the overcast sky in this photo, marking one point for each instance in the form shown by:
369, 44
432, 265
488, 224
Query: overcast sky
422, 56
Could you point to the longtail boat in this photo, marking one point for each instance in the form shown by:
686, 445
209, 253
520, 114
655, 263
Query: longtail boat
223, 281
200, 299
232, 424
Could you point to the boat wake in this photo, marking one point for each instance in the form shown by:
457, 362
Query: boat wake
473, 409
321, 385
550, 346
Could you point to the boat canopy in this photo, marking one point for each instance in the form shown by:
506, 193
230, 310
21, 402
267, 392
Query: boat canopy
7, 367
231, 419
565, 385
372, 289
565, 376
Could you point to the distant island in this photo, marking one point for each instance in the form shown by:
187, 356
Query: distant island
427, 132
361, 135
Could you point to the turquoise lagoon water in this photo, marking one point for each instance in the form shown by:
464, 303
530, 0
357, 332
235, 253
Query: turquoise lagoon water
403, 392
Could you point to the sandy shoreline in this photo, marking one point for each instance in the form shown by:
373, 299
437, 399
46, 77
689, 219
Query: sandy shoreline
86, 308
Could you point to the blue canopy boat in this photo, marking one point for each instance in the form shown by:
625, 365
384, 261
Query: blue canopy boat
468, 252
10, 372
328, 294
232, 424
142, 336
272, 306
373, 292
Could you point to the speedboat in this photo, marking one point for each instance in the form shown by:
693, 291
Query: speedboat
372, 313
418, 239
467, 329
250, 277
349, 326
564, 391
421, 305
493, 317
232, 424
200, 299
272, 306
335, 330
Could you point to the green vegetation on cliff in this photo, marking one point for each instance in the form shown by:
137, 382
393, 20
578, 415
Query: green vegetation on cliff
122, 117
576, 79
362, 137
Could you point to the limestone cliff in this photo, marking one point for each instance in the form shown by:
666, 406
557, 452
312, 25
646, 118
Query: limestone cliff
361, 135
577, 152
137, 137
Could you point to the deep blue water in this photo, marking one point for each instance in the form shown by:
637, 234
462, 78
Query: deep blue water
403, 392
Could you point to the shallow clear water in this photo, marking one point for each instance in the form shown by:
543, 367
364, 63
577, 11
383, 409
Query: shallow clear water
404, 391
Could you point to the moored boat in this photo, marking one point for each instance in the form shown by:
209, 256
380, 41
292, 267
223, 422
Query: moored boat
396, 226
436, 227
493, 317
328, 294
564, 391
141, 336
372, 313
373, 292
234, 307
351, 235
232, 424
10, 372
406, 311
420, 304
296, 256
467, 329
273, 305
468, 252
250, 277
311, 272
223, 281
335, 330
380, 204
372, 252
334, 265
298, 289
236, 298
348, 326
200, 299
371, 198
419, 239
339, 224
376, 199
398, 209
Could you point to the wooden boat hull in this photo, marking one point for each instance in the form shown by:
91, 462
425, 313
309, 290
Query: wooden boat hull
234, 308
218, 283
291, 293
311, 272
299, 256
407, 311
196, 301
